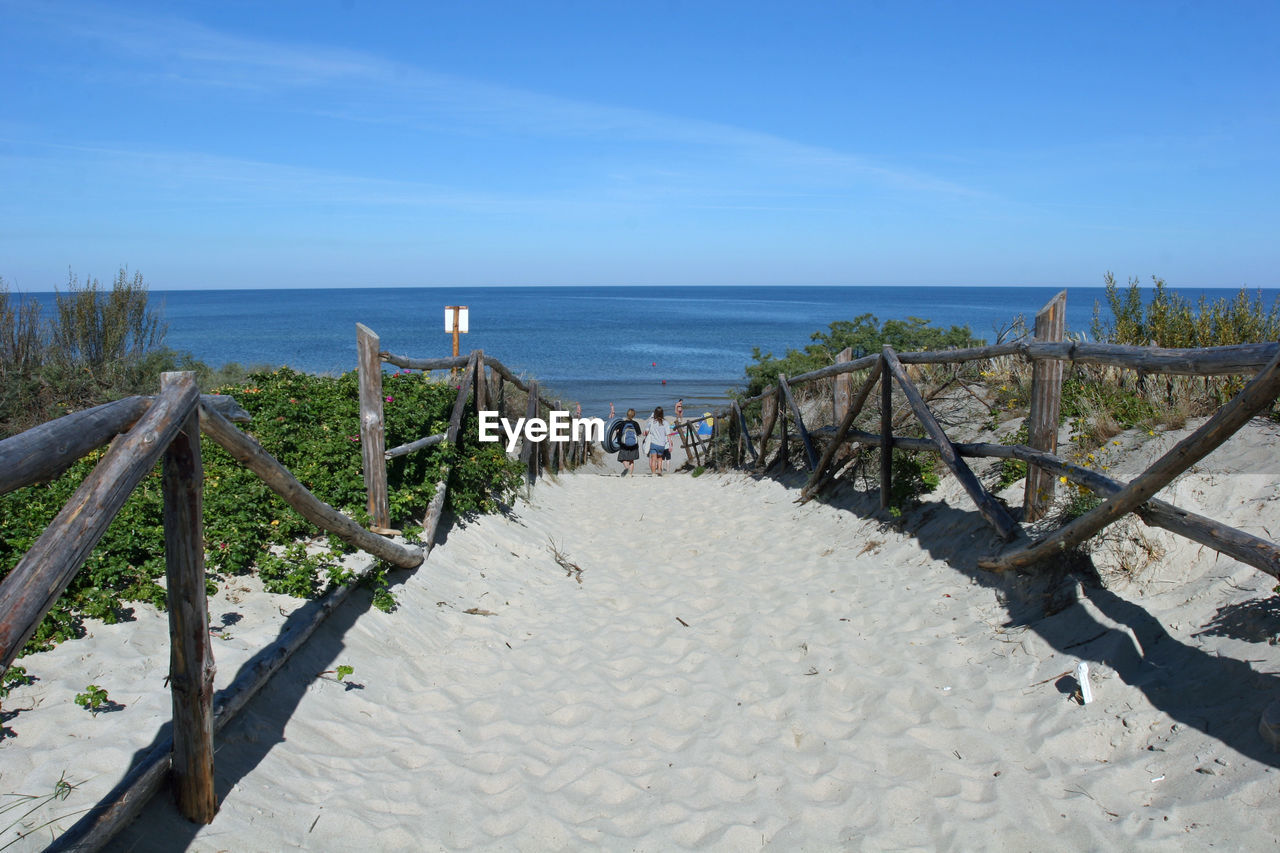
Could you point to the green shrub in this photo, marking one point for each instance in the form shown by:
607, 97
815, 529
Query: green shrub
1170, 320
98, 345
311, 424
914, 474
865, 334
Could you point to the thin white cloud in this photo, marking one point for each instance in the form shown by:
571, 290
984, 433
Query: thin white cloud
357, 86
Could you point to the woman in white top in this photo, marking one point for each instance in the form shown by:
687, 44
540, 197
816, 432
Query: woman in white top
657, 430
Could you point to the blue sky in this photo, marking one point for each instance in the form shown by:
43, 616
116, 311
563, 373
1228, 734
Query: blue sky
345, 143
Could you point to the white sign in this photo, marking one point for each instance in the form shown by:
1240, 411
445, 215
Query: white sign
462, 318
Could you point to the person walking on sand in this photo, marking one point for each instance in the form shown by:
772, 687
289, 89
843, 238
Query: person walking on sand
658, 433
629, 444
676, 423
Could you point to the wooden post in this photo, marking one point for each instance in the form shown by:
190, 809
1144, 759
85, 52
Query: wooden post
846, 423
746, 431
482, 385
769, 416
372, 433
843, 390
783, 459
1046, 404
501, 396
191, 666
543, 448
886, 435
528, 450
34, 584
991, 510
690, 439
811, 458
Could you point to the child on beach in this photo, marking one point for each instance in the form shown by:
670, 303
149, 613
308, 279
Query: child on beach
629, 444
659, 436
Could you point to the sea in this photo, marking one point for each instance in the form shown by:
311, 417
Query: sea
630, 346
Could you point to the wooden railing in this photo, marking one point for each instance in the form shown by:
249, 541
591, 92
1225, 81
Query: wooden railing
167, 427
1048, 353
485, 381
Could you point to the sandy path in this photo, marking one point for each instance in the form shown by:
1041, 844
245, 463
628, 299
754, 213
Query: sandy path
733, 672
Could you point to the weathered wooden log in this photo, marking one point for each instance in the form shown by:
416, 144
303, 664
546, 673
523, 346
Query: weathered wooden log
746, 432
420, 444
990, 509
1237, 544
245, 449
408, 363
372, 430
528, 450
449, 363
769, 416
45, 452
191, 665
435, 509
34, 584
852, 410
482, 385
543, 449
1240, 359
1046, 405
501, 395
693, 441
460, 402
1199, 361
842, 391
783, 460
1261, 391
811, 457
886, 436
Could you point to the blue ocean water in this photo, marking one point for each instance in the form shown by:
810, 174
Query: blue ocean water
640, 346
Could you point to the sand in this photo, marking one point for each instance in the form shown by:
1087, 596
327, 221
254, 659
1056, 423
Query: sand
727, 671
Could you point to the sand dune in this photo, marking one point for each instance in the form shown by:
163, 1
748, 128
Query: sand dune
728, 671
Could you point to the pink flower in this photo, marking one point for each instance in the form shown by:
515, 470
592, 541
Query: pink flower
389, 399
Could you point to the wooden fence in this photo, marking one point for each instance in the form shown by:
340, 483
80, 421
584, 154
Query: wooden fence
169, 426
485, 380
1048, 353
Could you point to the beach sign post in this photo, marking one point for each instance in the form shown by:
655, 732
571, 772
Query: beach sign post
455, 321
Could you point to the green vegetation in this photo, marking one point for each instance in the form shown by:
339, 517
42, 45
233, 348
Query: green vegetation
311, 424
1169, 320
342, 671
93, 699
14, 676
864, 334
99, 345
102, 345
32, 803
914, 474
1098, 402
